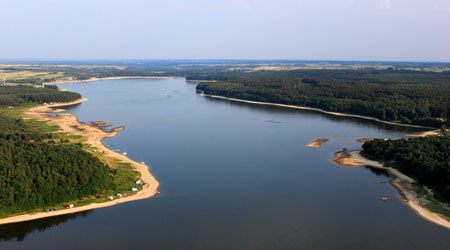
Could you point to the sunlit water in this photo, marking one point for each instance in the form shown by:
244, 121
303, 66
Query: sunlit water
233, 176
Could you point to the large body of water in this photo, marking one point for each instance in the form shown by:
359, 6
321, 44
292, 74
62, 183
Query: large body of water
233, 176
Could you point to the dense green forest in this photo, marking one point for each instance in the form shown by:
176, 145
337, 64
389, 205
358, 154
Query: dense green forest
409, 97
35, 172
425, 159
17, 95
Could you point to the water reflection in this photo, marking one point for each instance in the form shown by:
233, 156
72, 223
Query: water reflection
378, 172
310, 113
19, 231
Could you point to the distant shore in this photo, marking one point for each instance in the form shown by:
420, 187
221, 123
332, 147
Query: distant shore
111, 78
401, 182
69, 124
318, 110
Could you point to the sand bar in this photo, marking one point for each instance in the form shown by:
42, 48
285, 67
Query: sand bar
317, 143
401, 182
69, 124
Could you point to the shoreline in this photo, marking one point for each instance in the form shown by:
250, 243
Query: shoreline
401, 182
69, 123
319, 110
110, 78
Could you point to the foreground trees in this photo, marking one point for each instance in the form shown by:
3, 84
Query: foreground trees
35, 172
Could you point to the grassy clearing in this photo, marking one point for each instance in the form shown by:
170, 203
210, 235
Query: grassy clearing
432, 204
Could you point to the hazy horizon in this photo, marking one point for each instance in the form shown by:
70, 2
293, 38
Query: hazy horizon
321, 30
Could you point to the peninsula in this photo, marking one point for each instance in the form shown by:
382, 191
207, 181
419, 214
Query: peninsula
92, 136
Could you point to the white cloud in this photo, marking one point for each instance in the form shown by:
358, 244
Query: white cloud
385, 4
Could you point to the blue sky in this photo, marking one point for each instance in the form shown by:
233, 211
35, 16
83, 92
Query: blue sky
400, 30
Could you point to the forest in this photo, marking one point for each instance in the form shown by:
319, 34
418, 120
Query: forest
35, 172
426, 159
409, 97
18, 95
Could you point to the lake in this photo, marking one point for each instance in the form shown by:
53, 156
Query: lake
233, 176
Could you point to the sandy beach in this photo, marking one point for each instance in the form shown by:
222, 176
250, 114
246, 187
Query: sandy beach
401, 182
318, 110
69, 124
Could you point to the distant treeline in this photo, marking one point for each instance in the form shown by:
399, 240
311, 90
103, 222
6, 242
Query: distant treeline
425, 159
35, 173
410, 97
17, 95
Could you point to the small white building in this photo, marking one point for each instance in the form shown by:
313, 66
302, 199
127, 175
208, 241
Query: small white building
119, 195
110, 198
139, 182
134, 189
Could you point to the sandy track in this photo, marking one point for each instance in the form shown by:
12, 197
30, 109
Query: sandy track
69, 124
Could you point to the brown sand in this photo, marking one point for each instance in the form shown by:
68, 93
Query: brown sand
365, 140
317, 143
426, 133
69, 124
401, 182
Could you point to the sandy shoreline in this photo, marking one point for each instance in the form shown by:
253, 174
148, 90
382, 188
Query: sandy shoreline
69, 124
401, 182
318, 110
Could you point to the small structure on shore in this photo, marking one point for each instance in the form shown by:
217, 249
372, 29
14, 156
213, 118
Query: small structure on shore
139, 182
69, 206
119, 195
110, 198
134, 189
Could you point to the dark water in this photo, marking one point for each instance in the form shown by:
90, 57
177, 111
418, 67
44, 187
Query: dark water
233, 176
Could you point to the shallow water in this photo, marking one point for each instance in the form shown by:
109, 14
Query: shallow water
233, 176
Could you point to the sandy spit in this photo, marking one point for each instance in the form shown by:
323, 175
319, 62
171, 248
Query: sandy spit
317, 143
315, 109
69, 124
401, 182
426, 133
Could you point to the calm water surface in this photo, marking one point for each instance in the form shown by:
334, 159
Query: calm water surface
233, 176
